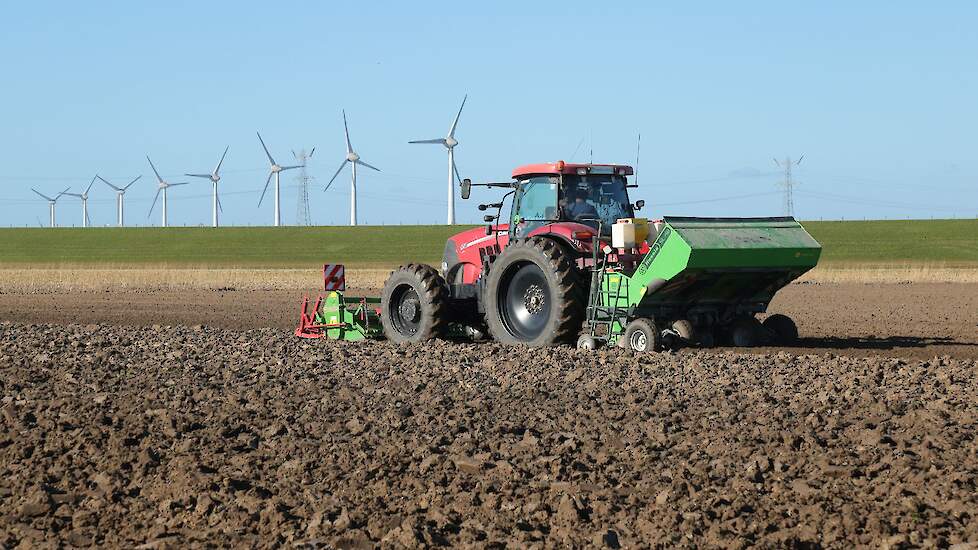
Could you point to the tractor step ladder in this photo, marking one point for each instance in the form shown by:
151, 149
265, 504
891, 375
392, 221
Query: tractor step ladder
603, 309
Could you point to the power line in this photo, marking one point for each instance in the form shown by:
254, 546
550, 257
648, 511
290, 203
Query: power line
720, 199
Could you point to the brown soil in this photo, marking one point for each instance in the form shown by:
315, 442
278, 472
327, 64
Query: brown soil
920, 320
132, 433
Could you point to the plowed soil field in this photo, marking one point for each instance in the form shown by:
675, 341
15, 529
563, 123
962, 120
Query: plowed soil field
125, 423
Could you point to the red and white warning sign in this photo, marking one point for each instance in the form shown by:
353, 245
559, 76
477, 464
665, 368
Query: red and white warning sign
334, 277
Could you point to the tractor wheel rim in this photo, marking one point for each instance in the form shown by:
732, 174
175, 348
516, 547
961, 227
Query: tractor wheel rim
523, 302
638, 341
405, 311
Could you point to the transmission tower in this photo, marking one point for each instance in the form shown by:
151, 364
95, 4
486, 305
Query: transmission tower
788, 183
302, 214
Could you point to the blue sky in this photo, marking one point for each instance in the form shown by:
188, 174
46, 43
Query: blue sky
880, 97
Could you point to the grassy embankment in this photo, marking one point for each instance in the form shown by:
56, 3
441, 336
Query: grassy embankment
288, 257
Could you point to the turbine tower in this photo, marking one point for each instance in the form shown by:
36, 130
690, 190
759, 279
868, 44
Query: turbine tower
50, 202
215, 177
788, 184
84, 202
274, 170
120, 193
449, 142
162, 185
354, 159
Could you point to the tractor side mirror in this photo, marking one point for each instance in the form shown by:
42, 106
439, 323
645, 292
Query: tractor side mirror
489, 218
639, 204
482, 207
466, 188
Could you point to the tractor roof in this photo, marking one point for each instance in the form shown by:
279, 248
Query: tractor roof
561, 167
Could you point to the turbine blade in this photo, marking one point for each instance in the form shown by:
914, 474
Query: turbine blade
346, 130
177, 183
219, 206
131, 182
455, 168
107, 183
42, 195
291, 167
158, 189
208, 176
269, 155
154, 170
799, 160
361, 163
311, 153
61, 193
267, 181
90, 186
451, 132
338, 170
218, 169
88, 220
441, 141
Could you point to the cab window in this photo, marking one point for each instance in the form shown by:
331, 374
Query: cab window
537, 203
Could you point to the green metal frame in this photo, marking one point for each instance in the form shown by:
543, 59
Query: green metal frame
720, 268
343, 318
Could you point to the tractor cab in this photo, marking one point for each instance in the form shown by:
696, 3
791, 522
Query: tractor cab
589, 194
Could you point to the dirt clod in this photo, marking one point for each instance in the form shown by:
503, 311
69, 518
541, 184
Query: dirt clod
255, 438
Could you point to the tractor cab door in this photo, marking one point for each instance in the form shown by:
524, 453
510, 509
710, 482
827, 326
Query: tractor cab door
534, 205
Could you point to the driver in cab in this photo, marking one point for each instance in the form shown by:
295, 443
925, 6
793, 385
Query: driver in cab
580, 208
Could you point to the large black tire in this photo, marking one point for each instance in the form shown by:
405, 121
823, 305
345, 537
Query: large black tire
414, 304
642, 335
534, 294
781, 328
746, 332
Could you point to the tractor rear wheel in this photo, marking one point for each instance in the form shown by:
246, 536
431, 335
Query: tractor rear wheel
534, 294
414, 304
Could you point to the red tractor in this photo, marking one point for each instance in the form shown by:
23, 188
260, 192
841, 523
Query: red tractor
522, 278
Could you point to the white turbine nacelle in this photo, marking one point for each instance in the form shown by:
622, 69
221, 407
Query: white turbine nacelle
120, 193
354, 160
161, 187
274, 169
449, 142
214, 177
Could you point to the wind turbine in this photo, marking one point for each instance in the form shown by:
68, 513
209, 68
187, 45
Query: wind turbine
162, 185
274, 170
215, 177
84, 201
449, 142
120, 193
50, 202
354, 159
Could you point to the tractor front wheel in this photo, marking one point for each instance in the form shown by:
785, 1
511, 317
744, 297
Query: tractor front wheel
414, 304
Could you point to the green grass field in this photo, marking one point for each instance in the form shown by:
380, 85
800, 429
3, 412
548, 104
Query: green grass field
945, 242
